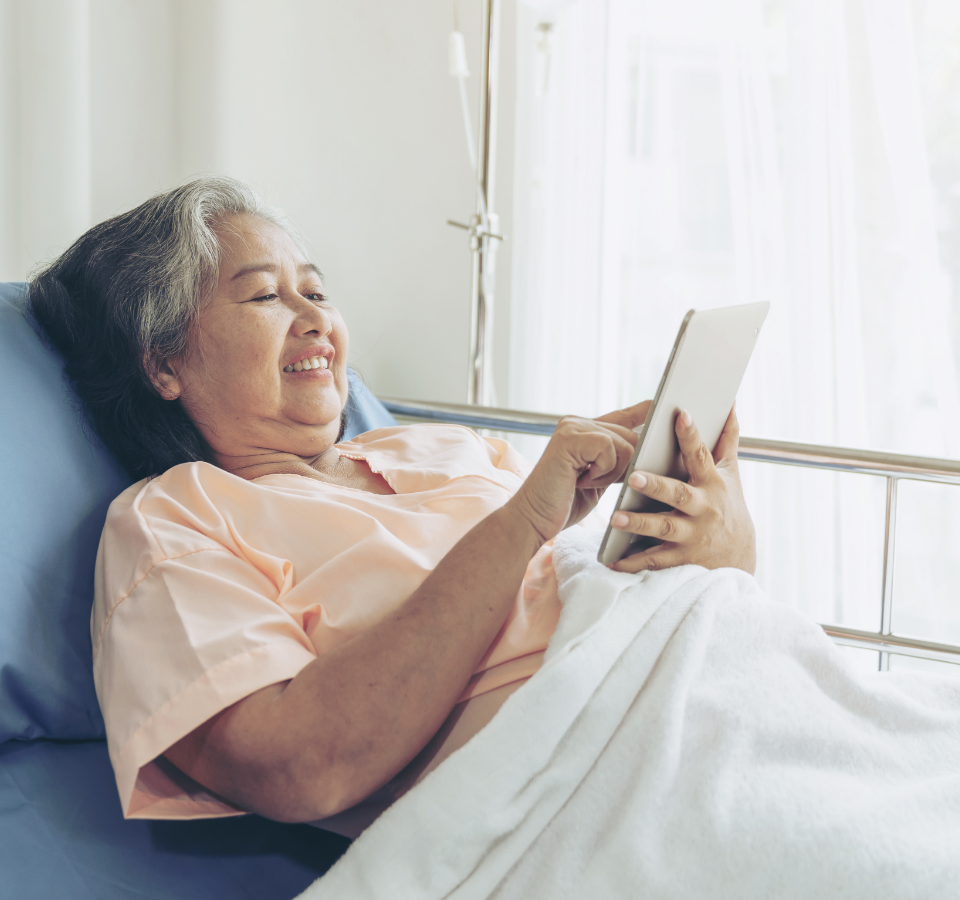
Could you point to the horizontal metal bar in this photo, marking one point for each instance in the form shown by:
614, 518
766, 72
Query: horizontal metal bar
473, 416
842, 459
891, 643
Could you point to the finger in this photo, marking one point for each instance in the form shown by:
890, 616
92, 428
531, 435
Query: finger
664, 556
587, 444
729, 443
666, 526
601, 458
623, 441
630, 417
677, 494
621, 431
696, 455
571, 428
573, 425
577, 425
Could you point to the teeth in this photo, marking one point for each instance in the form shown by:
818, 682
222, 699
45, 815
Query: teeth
306, 365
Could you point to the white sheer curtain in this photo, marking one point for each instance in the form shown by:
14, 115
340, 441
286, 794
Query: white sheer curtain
708, 152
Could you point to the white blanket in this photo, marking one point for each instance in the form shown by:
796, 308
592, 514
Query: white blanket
686, 737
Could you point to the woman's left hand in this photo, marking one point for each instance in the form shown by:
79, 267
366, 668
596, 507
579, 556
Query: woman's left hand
709, 525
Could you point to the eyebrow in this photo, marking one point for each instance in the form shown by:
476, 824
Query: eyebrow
271, 267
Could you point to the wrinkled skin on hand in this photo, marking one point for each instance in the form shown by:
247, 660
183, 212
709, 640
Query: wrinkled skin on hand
584, 457
708, 525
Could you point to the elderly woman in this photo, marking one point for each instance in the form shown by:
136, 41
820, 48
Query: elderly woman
286, 623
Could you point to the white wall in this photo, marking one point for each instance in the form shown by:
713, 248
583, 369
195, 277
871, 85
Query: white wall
342, 113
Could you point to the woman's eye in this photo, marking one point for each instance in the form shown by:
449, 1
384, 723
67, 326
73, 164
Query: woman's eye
315, 297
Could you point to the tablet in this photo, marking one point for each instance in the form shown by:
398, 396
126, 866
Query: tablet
703, 375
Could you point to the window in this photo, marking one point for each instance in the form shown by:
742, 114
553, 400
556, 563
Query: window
703, 153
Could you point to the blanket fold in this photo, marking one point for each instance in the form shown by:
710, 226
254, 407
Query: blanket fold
685, 737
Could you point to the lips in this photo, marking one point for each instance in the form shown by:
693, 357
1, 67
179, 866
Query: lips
319, 357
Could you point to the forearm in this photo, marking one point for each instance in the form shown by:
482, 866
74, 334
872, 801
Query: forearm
355, 716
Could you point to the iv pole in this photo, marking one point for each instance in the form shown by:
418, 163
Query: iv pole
483, 226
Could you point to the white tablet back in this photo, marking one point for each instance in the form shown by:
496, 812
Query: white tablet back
702, 376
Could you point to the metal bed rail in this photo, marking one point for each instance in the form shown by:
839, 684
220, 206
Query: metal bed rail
891, 466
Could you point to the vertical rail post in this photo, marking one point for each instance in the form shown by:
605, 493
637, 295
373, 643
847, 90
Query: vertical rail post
477, 374
889, 549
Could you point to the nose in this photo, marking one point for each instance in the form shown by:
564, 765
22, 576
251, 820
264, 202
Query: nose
311, 318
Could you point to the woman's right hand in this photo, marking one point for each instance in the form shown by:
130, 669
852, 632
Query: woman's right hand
583, 458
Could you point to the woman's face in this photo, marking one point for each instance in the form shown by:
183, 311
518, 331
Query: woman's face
266, 318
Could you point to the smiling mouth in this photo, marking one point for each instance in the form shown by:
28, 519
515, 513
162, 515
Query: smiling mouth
305, 365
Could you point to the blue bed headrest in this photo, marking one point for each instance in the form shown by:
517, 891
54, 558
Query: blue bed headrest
56, 482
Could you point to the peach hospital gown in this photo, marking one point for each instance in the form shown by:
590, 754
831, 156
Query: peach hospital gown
210, 587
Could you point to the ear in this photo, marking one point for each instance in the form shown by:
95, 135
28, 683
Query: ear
163, 375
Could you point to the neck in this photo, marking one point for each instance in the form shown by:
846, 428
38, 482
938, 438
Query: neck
256, 465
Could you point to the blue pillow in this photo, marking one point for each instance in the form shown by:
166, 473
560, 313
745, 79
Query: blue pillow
56, 482
364, 411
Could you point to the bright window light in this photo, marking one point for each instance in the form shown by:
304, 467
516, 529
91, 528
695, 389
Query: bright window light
704, 153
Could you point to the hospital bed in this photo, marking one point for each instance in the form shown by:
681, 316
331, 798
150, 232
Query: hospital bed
62, 834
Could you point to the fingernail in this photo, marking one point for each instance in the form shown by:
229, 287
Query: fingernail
685, 418
619, 520
638, 480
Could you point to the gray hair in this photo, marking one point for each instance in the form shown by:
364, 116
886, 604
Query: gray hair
124, 296
178, 264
